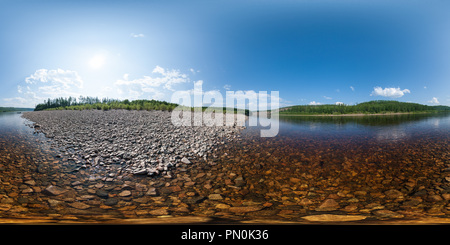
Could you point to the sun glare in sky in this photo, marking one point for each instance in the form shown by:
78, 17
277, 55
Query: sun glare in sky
97, 61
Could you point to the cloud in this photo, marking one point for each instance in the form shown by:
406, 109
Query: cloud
328, 98
339, 103
164, 78
352, 88
227, 87
43, 84
434, 100
389, 92
158, 85
137, 35
59, 77
314, 103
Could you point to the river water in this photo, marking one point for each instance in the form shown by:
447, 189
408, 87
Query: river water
396, 163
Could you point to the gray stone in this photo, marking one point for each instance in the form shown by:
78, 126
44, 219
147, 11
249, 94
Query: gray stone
54, 190
185, 160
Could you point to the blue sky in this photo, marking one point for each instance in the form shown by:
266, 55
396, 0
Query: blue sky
312, 52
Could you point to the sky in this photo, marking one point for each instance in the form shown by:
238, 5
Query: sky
311, 52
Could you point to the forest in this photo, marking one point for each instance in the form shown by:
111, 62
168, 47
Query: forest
94, 103
371, 107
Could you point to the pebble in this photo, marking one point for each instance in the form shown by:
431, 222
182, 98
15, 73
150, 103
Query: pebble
54, 190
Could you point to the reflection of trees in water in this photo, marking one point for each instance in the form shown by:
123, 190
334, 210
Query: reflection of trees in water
383, 120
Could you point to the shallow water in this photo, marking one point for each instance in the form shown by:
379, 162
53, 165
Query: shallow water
356, 161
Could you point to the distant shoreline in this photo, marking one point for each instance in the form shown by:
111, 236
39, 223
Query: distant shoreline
353, 115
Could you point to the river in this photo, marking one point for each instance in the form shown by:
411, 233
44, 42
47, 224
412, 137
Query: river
378, 167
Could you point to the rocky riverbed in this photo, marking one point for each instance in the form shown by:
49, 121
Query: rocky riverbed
245, 179
138, 142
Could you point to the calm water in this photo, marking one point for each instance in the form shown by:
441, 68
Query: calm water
340, 139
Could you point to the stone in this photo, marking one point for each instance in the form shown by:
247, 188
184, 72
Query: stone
79, 205
53, 203
111, 201
159, 212
239, 181
244, 209
185, 160
383, 213
394, 194
125, 193
328, 205
151, 192
215, 197
222, 206
30, 182
54, 190
101, 193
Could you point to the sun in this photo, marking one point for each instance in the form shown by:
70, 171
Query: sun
97, 61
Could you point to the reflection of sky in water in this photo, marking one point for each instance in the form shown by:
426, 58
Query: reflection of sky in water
390, 134
379, 128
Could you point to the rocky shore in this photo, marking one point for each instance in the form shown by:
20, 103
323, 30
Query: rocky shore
138, 142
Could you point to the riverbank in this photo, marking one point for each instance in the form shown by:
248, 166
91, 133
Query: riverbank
354, 114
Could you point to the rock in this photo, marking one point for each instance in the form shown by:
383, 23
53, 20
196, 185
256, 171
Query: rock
76, 183
394, 194
383, 213
222, 206
159, 212
185, 160
79, 205
125, 193
30, 182
53, 203
239, 181
111, 201
151, 192
215, 197
328, 205
54, 190
101, 193
295, 180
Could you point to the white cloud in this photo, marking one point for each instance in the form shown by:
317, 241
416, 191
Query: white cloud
328, 98
164, 77
137, 35
194, 71
59, 77
339, 103
389, 92
434, 100
352, 88
43, 84
227, 87
314, 103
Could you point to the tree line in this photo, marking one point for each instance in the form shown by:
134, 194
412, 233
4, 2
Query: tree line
371, 107
94, 103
